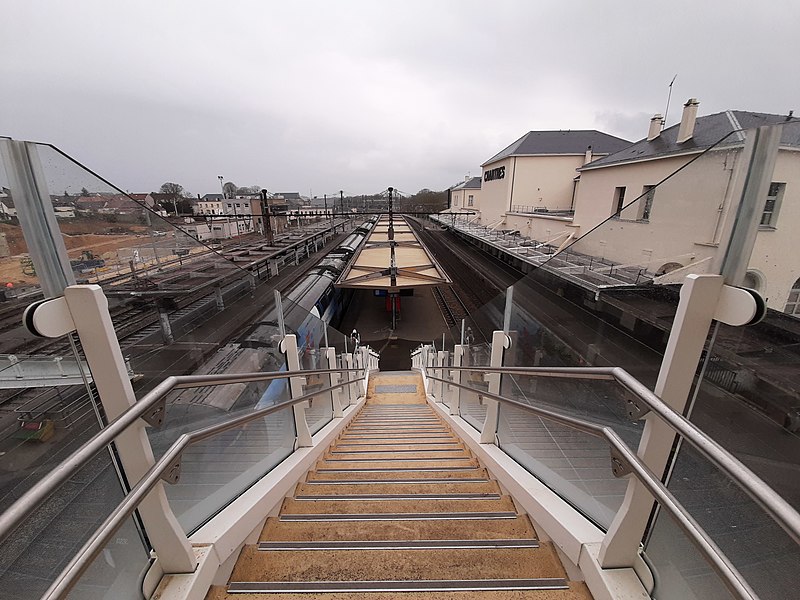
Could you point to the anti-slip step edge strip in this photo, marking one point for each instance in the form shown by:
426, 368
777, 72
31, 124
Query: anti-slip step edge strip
424, 585
399, 544
445, 516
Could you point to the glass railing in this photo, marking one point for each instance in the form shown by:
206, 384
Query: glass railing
609, 299
184, 297
50, 406
748, 400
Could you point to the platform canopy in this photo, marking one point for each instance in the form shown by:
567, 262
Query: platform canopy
392, 258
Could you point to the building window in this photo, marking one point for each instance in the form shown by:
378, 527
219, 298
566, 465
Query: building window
646, 202
470, 200
619, 200
455, 200
793, 303
772, 206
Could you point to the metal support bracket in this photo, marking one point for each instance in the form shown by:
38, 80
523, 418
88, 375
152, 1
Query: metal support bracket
156, 414
173, 474
635, 407
619, 466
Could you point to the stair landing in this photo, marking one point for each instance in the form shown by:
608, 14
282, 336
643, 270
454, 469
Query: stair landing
398, 507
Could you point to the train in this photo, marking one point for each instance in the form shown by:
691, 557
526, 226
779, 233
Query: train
308, 307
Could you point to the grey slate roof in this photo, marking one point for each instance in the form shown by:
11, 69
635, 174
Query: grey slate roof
708, 130
473, 184
561, 142
213, 198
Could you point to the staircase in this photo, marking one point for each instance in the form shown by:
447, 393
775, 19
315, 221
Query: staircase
398, 506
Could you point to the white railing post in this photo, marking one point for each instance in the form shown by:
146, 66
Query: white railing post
500, 341
441, 361
348, 361
329, 362
289, 347
698, 302
89, 309
455, 392
365, 350
345, 395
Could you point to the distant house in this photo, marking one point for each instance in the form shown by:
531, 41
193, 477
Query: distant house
209, 204
466, 195
107, 204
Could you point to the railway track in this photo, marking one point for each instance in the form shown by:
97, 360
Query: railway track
452, 307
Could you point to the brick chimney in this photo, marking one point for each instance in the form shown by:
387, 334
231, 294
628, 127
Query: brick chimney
688, 119
655, 127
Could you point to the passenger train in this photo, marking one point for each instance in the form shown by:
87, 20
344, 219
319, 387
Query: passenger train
308, 307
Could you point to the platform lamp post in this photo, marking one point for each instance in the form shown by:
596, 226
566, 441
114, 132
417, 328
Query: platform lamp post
266, 218
393, 261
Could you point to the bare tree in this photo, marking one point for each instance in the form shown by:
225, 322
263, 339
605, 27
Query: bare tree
229, 189
174, 192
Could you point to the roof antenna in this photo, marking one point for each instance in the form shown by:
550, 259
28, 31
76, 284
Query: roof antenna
669, 96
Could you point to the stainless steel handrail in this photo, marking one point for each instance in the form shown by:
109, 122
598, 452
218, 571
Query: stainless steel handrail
730, 576
755, 487
83, 559
45, 487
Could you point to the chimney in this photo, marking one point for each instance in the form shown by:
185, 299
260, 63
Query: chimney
687, 120
655, 127
588, 157
467, 178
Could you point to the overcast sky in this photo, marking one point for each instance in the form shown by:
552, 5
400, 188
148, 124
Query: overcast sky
321, 96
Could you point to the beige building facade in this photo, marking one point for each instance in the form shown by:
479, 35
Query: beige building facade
536, 174
661, 204
466, 195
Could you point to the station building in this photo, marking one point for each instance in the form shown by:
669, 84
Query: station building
623, 207
536, 173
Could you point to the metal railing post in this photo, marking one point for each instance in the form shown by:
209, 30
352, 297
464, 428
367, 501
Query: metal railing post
289, 347
455, 392
500, 341
329, 362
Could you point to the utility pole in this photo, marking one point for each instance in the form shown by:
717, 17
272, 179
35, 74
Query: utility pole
225, 212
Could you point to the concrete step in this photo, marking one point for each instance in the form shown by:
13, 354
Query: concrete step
397, 565
491, 529
405, 464
405, 489
471, 474
362, 446
339, 455
404, 507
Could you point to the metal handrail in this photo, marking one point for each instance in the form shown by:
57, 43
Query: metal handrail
45, 487
755, 487
166, 466
626, 461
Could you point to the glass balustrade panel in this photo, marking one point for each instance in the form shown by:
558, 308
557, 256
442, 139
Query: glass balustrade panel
747, 399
